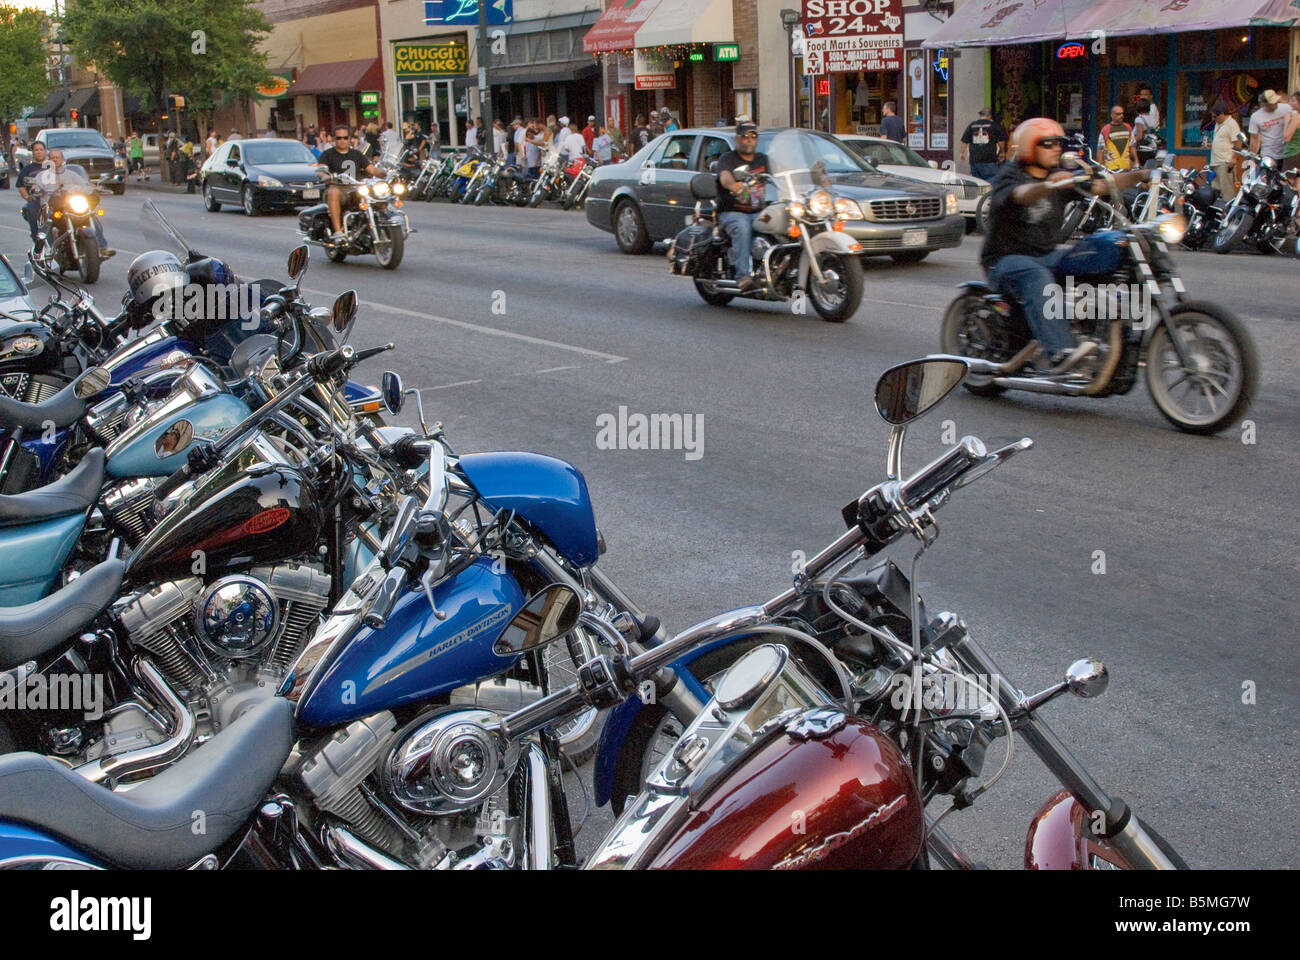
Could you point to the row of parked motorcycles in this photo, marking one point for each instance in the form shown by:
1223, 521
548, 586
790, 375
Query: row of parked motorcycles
479, 178
351, 646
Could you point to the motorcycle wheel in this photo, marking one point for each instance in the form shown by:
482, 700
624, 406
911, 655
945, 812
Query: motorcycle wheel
654, 731
837, 304
88, 259
578, 736
1269, 247
1226, 364
481, 195
711, 296
389, 254
1234, 228
961, 325
982, 214
454, 194
538, 194
1075, 211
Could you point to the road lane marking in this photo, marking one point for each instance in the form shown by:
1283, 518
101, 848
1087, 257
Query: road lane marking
448, 386
479, 328
572, 366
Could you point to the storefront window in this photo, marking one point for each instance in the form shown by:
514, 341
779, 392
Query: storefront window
1201, 95
914, 105
1234, 45
1272, 43
1193, 47
938, 112
1138, 51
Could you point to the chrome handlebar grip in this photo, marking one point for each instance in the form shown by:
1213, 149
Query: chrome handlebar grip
922, 486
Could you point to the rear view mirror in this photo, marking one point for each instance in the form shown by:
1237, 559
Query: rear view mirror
391, 389
93, 381
905, 392
344, 312
549, 615
28, 273
298, 258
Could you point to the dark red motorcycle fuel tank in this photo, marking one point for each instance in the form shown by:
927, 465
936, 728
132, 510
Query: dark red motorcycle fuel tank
846, 801
245, 511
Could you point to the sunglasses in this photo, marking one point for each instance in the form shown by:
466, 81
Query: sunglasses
1052, 143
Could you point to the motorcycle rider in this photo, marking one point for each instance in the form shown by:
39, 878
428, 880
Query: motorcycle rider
28, 190
1026, 213
60, 176
346, 160
737, 206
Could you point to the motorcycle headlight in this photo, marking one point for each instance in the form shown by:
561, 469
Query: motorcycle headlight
363, 190
269, 182
399, 188
820, 204
846, 209
77, 203
796, 210
380, 189
951, 205
1171, 228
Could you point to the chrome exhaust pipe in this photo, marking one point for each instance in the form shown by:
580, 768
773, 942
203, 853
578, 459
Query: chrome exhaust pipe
1039, 386
346, 847
110, 770
539, 811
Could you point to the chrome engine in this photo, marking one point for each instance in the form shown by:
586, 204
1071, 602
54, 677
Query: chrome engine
226, 644
126, 506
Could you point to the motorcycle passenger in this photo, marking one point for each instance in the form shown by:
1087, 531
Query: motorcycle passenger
59, 176
30, 192
737, 205
346, 160
1026, 213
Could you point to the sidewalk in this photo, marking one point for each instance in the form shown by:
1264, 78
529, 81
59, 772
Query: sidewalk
155, 183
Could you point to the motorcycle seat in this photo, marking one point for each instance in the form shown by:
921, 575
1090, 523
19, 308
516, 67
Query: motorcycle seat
33, 629
153, 825
75, 492
63, 410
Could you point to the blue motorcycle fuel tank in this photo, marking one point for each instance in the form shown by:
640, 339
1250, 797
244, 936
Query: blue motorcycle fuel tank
417, 656
141, 355
548, 493
1097, 256
135, 454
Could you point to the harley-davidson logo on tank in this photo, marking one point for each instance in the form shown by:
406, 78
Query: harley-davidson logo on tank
845, 36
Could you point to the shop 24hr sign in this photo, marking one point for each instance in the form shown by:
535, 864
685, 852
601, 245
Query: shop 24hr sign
849, 35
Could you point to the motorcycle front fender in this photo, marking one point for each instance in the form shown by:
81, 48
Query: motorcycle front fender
1059, 838
828, 241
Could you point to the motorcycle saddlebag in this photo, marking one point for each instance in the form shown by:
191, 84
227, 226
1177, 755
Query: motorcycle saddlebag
687, 254
307, 216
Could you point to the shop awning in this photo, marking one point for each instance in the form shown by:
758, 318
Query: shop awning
86, 100
987, 23
616, 29
343, 76
682, 22
51, 106
549, 73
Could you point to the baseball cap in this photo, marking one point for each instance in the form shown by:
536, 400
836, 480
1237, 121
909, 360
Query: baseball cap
744, 127
1270, 96
591, 118
564, 121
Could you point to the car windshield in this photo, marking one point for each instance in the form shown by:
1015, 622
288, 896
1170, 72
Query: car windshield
75, 138
886, 152
285, 151
8, 282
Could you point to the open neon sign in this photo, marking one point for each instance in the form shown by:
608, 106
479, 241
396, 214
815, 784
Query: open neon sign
1071, 51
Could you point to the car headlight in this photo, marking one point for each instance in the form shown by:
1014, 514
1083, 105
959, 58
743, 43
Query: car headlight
1171, 227
363, 190
77, 203
952, 203
846, 209
269, 182
380, 189
985, 188
399, 188
796, 210
820, 204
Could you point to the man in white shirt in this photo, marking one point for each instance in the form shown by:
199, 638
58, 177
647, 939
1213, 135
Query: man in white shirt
499, 138
58, 176
1267, 126
573, 145
472, 134
388, 140
517, 134
1222, 160
1150, 119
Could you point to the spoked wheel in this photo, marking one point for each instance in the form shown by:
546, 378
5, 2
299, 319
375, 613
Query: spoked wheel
967, 332
88, 259
1216, 387
711, 296
1234, 228
389, 249
577, 736
837, 295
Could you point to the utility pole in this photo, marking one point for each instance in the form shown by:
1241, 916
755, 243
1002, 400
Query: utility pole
484, 91
63, 63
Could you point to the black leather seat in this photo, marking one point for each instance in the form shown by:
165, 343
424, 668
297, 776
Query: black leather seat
63, 410
75, 492
152, 826
29, 631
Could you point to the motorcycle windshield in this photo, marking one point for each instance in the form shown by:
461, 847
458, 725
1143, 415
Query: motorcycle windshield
802, 162
160, 234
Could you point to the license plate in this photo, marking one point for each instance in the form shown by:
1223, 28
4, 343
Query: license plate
914, 238
311, 194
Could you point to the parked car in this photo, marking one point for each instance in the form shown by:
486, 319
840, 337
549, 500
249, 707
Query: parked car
87, 149
893, 157
646, 198
260, 175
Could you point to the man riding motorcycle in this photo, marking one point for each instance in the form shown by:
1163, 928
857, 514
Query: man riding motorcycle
347, 160
736, 207
59, 176
1025, 219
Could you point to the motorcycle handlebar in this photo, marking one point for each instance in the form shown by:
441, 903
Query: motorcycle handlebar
173, 483
323, 366
927, 482
386, 594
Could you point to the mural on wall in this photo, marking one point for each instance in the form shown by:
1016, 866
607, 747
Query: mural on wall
1016, 92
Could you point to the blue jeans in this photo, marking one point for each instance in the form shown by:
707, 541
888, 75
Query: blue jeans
32, 212
740, 227
985, 171
1028, 280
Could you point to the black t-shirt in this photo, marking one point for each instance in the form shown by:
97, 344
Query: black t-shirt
353, 163
983, 136
1015, 228
893, 127
640, 137
729, 202
27, 175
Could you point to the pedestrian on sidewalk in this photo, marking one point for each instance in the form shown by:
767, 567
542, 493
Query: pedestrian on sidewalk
891, 125
135, 155
1223, 161
985, 138
1291, 135
602, 145
1115, 145
1267, 125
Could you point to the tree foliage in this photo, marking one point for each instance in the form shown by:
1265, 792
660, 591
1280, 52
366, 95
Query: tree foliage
23, 79
205, 50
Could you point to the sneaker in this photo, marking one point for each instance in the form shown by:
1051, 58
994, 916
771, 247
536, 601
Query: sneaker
338, 236
1065, 360
747, 283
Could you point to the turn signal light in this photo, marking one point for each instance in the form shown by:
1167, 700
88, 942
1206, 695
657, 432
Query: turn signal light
855, 248
837, 226
397, 203
794, 230
363, 204
99, 212
57, 214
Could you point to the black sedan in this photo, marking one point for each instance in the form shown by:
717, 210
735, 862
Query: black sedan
260, 175
647, 197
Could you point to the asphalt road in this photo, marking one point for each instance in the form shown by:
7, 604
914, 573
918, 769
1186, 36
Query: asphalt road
526, 326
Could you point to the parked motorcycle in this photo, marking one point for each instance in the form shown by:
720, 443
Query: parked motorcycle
799, 245
1201, 366
373, 222
1265, 211
549, 185
66, 233
579, 173
1202, 206
463, 177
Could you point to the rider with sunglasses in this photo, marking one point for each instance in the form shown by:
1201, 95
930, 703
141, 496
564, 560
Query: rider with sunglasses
348, 160
1026, 216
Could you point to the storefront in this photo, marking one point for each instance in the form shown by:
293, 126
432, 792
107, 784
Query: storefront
424, 75
331, 91
542, 69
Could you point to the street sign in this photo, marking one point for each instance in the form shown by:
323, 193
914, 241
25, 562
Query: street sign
723, 52
847, 36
